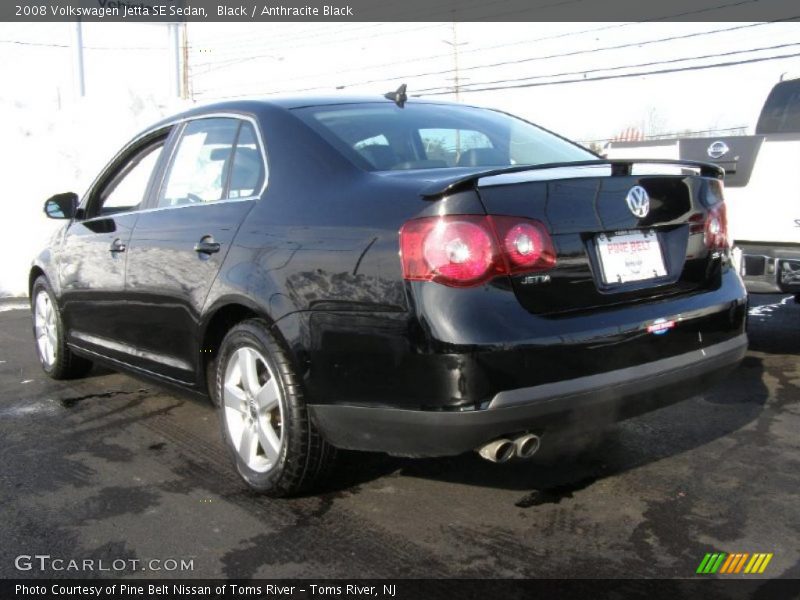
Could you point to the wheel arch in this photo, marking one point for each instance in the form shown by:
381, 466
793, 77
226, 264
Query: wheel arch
44, 265
35, 272
220, 318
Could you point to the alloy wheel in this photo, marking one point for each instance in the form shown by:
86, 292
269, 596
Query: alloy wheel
253, 405
45, 327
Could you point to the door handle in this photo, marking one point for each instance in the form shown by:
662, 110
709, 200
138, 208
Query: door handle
207, 246
117, 246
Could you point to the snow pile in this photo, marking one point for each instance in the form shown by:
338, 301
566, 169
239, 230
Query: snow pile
766, 310
45, 151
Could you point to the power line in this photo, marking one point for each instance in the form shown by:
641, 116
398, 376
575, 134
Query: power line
545, 38
51, 45
470, 50
304, 34
558, 55
215, 66
558, 36
614, 26
623, 75
313, 32
620, 67
568, 54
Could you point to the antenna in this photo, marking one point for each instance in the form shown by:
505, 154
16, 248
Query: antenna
398, 96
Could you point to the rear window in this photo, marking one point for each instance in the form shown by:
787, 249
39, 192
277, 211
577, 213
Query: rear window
781, 113
382, 137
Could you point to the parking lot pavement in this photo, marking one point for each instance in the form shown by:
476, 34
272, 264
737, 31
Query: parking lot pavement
112, 468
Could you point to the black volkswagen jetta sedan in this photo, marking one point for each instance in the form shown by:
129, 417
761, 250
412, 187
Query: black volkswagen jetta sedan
421, 279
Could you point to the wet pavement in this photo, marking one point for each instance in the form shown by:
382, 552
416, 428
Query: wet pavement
113, 468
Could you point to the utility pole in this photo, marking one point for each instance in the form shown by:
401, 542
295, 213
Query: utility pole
456, 79
186, 92
455, 64
77, 59
175, 70
455, 44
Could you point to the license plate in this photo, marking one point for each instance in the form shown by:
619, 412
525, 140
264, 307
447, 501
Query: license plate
630, 256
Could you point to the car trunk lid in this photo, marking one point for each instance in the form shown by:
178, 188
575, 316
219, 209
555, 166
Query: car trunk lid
589, 214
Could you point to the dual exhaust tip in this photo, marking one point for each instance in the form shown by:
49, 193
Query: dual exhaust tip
504, 449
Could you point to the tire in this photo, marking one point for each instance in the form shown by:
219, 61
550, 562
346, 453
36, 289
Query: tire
797, 298
57, 360
263, 417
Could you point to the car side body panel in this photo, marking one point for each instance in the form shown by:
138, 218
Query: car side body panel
168, 281
92, 283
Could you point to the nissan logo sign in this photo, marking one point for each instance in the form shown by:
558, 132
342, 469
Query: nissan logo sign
718, 149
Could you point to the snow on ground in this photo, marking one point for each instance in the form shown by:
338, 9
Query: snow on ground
767, 310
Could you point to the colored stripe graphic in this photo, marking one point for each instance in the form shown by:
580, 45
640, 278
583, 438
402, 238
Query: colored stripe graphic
718, 563
727, 565
711, 562
722, 563
735, 562
736, 557
703, 563
754, 563
764, 564
745, 556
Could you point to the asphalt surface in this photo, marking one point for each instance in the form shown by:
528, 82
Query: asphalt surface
113, 468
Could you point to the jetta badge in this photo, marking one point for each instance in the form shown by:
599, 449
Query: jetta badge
638, 201
717, 149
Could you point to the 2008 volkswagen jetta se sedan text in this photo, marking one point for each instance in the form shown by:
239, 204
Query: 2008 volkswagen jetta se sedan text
415, 278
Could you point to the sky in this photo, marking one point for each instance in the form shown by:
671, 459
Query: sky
302, 58
56, 141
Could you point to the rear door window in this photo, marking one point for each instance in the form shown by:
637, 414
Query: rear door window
199, 168
247, 170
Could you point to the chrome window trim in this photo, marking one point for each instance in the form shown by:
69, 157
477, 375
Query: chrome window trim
215, 115
83, 203
182, 122
160, 208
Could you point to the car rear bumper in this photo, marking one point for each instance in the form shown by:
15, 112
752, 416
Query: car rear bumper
769, 268
599, 398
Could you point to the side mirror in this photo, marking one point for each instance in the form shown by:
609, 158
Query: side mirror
61, 206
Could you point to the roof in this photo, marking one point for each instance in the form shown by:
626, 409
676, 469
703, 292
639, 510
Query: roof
254, 104
290, 102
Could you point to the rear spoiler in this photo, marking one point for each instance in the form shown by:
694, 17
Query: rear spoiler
619, 168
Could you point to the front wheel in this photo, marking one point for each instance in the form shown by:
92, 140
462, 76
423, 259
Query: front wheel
57, 360
263, 417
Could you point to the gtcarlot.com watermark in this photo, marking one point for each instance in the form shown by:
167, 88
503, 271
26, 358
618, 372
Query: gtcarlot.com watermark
46, 563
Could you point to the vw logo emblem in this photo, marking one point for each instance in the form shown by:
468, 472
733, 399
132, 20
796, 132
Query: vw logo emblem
638, 201
717, 149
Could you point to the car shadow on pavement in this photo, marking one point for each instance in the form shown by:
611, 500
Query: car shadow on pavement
572, 459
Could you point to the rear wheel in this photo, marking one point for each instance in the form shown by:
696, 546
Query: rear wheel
57, 360
263, 417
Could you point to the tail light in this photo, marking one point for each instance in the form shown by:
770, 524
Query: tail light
466, 250
716, 230
526, 245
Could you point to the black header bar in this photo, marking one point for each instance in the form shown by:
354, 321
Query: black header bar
402, 589
395, 10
